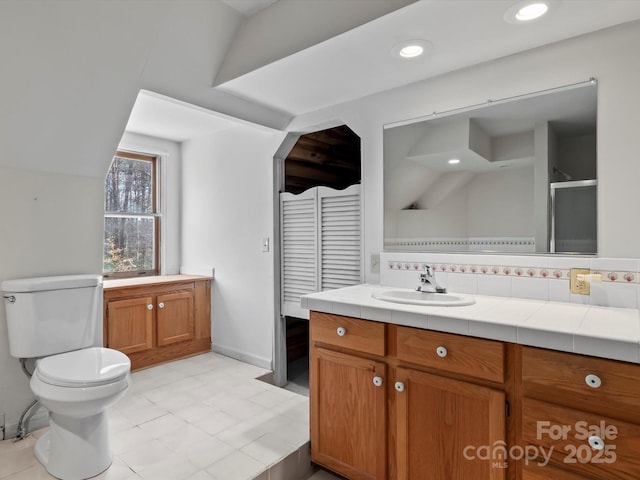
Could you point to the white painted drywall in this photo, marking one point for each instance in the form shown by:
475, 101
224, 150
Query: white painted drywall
608, 55
501, 204
227, 210
51, 225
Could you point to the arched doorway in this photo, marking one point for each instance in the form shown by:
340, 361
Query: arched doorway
328, 161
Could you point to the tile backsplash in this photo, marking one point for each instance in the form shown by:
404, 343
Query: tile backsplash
526, 276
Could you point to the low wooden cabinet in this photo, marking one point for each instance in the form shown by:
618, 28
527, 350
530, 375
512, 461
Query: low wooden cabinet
156, 319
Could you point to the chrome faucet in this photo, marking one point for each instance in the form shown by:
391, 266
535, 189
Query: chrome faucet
428, 278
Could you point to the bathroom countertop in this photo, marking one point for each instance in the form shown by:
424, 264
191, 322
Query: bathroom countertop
605, 332
149, 280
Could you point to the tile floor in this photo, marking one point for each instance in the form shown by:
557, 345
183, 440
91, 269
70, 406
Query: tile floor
201, 418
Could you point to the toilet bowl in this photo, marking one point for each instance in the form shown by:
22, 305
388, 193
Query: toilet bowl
77, 387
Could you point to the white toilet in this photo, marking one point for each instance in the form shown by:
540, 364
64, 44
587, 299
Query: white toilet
54, 320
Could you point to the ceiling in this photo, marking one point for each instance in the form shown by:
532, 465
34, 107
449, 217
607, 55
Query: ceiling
462, 33
249, 7
358, 62
164, 117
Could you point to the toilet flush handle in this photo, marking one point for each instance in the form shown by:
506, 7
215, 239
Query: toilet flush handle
10, 298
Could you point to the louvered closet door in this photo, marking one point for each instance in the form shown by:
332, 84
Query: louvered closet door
320, 243
299, 274
339, 232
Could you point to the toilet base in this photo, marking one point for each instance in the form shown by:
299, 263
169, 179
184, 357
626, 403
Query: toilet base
75, 448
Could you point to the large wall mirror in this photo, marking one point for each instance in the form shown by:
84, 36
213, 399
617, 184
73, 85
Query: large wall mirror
515, 175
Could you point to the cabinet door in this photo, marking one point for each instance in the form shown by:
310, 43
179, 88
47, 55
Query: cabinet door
534, 472
348, 414
130, 324
175, 317
448, 429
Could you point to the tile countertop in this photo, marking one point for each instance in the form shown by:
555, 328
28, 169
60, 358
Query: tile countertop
606, 332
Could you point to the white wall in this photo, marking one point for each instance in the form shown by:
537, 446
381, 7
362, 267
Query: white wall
170, 191
51, 225
227, 210
609, 55
501, 204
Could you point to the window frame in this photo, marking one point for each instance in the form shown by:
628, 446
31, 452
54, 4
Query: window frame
155, 214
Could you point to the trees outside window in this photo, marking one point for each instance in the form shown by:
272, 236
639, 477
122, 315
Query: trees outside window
131, 219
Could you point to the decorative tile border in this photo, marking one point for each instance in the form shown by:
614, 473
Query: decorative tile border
471, 243
448, 243
512, 271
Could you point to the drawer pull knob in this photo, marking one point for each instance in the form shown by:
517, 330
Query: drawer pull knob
150, 307
596, 442
593, 381
341, 331
399, 387
441, 351
377, 381
161, 305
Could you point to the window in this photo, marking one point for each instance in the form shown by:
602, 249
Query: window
131, 218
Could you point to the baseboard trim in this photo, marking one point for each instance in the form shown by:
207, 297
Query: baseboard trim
242, 356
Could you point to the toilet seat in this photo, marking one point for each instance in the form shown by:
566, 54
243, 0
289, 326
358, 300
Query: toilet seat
88, 367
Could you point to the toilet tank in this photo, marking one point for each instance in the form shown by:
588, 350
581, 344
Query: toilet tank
49, 315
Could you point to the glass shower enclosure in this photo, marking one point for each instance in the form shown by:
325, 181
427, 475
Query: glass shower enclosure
573, 217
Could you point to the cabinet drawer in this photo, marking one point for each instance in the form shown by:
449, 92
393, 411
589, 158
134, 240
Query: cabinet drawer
474, 357
345, 332
573, 380
568, 431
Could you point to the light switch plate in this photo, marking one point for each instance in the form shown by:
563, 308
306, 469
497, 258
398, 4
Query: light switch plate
375, 263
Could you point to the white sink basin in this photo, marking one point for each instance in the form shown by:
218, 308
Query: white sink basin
412, 297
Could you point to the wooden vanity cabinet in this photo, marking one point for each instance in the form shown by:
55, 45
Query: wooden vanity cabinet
585, 410
450, 400
154, 320
348, 401
437, 394
389, 402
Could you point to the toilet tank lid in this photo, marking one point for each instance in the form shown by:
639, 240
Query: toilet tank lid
60, 282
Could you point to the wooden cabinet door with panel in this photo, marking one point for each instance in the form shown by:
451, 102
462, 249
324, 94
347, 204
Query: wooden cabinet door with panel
348, 414
130, 324
175, 317
446, 428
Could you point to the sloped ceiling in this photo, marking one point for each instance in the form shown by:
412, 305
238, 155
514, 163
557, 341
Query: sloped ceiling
71, 70
462, 33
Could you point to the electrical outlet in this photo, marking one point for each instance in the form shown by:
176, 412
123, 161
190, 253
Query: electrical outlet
578, 285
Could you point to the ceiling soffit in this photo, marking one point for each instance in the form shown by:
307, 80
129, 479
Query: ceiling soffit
290, 26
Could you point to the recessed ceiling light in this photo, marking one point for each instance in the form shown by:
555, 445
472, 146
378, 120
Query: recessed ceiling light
454, 161
532, 11
526, 11
411, 51
410, 48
